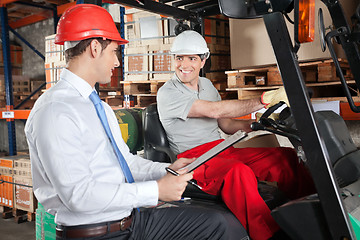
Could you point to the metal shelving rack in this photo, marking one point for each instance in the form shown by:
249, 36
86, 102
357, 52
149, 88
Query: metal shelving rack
12, 112
193, 11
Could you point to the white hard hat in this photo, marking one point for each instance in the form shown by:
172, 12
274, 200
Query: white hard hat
189, 42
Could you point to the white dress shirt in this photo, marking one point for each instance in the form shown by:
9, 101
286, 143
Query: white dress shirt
76, 175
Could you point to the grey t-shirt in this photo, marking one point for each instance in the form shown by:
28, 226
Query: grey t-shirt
174, 100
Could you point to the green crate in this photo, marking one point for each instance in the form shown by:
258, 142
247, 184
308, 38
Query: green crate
45, 226
356, 226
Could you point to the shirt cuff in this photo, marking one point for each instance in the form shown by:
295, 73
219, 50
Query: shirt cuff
148, 193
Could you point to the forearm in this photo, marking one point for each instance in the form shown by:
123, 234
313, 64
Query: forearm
225, 109
231, 126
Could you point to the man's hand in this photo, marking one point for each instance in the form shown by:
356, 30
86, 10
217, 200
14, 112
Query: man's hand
180, 163
270, 98
172, 187
273, 116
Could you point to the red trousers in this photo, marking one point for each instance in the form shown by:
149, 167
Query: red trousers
233, 174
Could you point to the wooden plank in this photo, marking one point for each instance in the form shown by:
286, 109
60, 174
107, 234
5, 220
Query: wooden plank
136, 88
6, 212
155, 85
145, 100
161, 76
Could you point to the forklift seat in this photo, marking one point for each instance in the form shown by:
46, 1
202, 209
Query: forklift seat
156, 148
343, 154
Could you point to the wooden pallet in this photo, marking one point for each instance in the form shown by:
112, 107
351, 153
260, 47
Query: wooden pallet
20, 83
19, 216
116, 100
323, 90
144, 100
110, 91
251, 92
6, 212
112, 95
269, 76
142, 87
317, 71
18, 97
327, 71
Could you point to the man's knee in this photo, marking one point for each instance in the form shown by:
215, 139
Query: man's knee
218, 223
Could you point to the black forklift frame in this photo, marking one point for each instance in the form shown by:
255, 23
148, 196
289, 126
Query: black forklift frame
316, 153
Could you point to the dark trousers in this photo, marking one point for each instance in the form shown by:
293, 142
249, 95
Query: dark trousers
173, 223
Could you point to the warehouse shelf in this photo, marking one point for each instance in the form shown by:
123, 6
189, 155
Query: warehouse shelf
25, 12
14, 114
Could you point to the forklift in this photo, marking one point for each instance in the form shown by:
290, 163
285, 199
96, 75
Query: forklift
326, 146
331, 156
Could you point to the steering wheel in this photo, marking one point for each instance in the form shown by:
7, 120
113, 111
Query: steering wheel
284, 126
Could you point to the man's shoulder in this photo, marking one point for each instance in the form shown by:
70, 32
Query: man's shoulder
167, 88
205, 81
58, 97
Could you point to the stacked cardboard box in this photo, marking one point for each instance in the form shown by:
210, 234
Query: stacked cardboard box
6, 179
17, 191
24, 196
252, 56
16, 70
147, 58
16, 53
147, 53
251, 46
20, 83
147, 61
45, 226
54, 61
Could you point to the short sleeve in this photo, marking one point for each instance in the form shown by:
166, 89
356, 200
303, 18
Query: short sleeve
172, 103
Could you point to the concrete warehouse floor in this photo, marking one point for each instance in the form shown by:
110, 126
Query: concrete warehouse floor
10, 230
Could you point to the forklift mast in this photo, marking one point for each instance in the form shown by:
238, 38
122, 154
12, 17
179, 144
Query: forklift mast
272, 12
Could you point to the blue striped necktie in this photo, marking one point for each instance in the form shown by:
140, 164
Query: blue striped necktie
101, 113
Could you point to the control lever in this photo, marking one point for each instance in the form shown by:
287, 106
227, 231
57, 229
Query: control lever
268, 122
255, 126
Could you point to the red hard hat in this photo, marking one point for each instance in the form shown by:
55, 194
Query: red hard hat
83, 21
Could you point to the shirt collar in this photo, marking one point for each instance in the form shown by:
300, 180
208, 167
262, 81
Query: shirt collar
180, 83
77, 82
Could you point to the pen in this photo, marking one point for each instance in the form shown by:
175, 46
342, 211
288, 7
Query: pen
177, 174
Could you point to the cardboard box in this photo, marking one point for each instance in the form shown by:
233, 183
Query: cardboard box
6, 171
16, 53
251, 47
53, 52
6, 192
22, 163
52, 72
20, 83
24, 196
22, 172
8, 161
136, 64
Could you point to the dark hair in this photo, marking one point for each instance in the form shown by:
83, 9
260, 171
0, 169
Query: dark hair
81, 47
202, 56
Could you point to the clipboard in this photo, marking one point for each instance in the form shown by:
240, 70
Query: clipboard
236, 137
